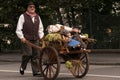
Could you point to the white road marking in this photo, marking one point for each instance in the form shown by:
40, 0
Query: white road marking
14, 71
68, 74
107, 76
94, 75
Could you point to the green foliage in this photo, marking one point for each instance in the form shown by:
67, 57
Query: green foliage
97, 14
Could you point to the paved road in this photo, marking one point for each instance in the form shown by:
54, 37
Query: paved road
10, 71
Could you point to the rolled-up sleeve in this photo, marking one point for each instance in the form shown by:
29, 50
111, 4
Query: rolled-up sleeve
41, 29
67, 28
20, 27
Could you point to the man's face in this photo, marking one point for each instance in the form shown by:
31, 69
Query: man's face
31, 9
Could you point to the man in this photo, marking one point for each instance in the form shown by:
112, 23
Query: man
73, 40
29, 28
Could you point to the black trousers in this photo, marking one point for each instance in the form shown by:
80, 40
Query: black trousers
30, 54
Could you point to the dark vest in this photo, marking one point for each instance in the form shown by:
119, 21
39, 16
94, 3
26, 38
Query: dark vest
30, 29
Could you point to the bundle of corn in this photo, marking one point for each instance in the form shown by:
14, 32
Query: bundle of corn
53, 37
68, 64
84, 35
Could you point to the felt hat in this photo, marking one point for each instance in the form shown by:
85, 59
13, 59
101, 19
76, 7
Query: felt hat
30, 3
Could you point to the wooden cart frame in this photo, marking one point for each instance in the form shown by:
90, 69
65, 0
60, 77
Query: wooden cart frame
49, 61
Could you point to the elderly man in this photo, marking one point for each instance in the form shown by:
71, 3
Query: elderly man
29, 28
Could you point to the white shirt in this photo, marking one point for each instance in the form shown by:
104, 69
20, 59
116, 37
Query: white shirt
20, 27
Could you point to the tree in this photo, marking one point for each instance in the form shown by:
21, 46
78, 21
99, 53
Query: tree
93, 15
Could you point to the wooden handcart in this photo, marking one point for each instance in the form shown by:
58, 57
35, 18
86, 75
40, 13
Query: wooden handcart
77, 60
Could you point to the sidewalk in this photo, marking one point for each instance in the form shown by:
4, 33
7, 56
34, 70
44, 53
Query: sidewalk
99, 58
105, 56
10, 57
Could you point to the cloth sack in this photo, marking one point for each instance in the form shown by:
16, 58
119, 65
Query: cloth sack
73, 43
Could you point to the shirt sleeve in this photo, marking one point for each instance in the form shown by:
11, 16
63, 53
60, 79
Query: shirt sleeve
68, 28
20, 27
41, 29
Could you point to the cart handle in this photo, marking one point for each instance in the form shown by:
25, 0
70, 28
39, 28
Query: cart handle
32, 45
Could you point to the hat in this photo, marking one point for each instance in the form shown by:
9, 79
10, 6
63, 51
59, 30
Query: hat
30, 3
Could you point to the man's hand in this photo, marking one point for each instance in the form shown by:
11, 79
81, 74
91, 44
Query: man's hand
23, 40
42, 38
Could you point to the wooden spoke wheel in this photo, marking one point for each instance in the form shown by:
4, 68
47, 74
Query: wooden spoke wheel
80, 66
49, 63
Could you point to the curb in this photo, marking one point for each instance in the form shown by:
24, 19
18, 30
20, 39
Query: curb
97, 56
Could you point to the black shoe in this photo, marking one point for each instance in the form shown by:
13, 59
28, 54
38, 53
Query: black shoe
21, 71
38, 75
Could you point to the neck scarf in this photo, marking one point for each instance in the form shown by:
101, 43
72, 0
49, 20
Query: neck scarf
32, 15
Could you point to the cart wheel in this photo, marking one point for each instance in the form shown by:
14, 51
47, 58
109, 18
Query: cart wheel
80, 66
49, 63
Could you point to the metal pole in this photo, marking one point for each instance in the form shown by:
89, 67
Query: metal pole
90, 22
